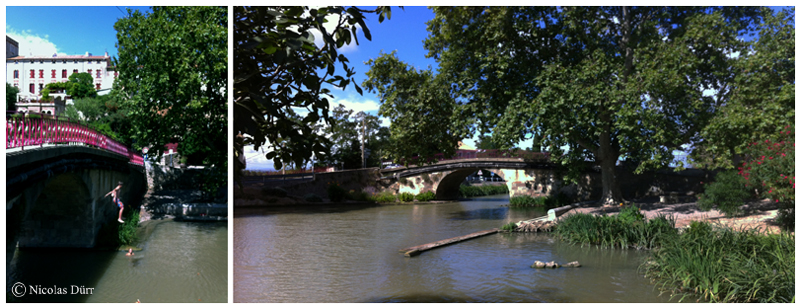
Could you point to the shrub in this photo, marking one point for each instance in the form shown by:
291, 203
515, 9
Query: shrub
406, 197
336, 193
312, 198
485, 190
630, 214
509, 226
273, 191
426, 196
727, 193
359, 196
548, 202
384, 197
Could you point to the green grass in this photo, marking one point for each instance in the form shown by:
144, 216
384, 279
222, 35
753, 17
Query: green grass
724, 265
485, 190
715, 264
383, 197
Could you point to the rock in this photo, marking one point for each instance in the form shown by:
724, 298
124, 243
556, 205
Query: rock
538, 264
551, 264
572, 264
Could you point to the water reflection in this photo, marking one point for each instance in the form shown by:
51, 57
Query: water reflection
350, 254
179, 262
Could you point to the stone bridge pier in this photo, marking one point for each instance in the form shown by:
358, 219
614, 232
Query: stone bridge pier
68, 209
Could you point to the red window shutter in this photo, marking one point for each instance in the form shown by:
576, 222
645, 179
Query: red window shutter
41, 73
54, 74
33, 74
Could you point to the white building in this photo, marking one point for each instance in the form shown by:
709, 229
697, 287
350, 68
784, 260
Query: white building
30, 74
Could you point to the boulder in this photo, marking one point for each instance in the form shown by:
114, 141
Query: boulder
572, 264
538, 264
551, 264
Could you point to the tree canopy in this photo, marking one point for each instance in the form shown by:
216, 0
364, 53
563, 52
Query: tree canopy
80, 85
11, 96
604, 82
420, 108
281, 75
172, 82
344, 133
761, 99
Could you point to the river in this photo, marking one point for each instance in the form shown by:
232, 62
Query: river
345, 253
179, 262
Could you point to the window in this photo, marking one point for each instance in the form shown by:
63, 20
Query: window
16, 74
41, 86
64, 61
64, 73
75, 71
33, 74
33, 88
115, 74
54, 61
98, 73
97, 86
90, 72
76, 62
53, 74
41, 73
41, 61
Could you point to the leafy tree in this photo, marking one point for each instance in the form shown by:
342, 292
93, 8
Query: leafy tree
172, 82
92, 108
80, 85
11, 97
762, 101
485, 143
344, 134
421, 110
605, 82
278, 68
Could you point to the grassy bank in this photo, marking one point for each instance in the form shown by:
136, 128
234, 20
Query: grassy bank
113, 234
485, 190
717, 264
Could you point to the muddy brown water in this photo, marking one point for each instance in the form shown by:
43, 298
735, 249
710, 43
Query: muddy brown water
179, 262
350, 254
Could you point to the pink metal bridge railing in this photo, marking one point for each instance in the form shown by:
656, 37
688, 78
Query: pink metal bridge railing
26, 131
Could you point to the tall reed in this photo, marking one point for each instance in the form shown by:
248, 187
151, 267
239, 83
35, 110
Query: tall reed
720, 264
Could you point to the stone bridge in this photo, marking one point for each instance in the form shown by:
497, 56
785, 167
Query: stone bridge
57, 173
523, 177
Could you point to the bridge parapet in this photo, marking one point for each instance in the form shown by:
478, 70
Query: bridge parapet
22, 131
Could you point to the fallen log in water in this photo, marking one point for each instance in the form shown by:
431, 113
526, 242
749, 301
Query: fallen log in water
413, 251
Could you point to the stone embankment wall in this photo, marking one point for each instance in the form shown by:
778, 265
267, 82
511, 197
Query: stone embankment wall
175, 193
367, 180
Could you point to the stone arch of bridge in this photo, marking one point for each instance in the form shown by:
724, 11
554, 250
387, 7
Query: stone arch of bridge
531, 182
63, 207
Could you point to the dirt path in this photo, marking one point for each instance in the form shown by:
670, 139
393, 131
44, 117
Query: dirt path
758, 214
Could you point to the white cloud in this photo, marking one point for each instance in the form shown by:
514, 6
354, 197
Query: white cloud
366, 105
332, 21
32, 44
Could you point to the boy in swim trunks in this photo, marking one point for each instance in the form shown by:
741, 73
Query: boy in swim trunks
115, 197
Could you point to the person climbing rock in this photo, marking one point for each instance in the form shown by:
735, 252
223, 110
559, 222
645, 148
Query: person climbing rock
115, 198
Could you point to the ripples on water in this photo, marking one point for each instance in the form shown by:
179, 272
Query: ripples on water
350, 254
180, 262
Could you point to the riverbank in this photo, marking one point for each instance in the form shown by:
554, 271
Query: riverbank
759, 215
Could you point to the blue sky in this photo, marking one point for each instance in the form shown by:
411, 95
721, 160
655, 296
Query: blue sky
405, 33
74, 30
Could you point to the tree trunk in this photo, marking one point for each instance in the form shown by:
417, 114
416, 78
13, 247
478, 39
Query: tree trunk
612, 195
608, 155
